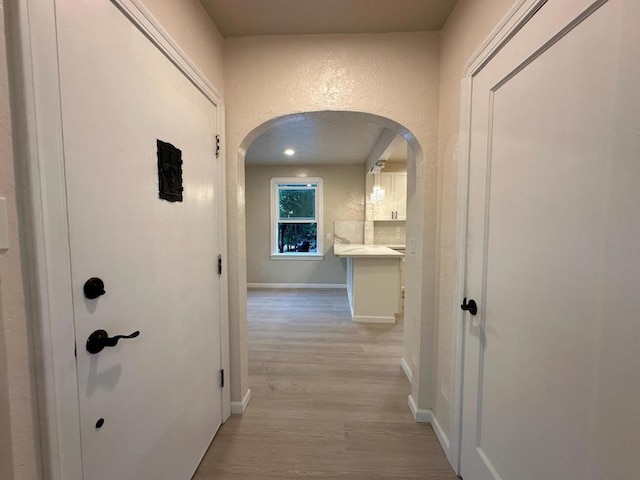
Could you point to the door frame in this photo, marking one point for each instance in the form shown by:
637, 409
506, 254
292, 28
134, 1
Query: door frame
39, 151
516, 18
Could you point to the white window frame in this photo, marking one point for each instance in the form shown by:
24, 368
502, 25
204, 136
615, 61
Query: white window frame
303, 181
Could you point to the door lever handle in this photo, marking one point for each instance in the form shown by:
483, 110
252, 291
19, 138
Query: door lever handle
470, 307
100, 339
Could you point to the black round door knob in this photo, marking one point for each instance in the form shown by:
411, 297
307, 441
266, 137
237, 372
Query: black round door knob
99, 423
94, 288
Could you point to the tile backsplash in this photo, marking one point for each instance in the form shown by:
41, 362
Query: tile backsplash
348, 231
360, 232
389, 233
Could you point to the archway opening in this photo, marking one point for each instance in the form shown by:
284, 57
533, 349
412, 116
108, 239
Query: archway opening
350, 144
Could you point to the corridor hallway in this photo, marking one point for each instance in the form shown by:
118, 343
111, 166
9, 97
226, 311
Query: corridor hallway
329, 399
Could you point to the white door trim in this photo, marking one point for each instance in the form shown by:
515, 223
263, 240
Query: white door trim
519, 15
41, 160
225, 346
142, 18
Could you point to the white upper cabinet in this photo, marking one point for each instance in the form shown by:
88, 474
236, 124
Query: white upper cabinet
392, 205
400, 193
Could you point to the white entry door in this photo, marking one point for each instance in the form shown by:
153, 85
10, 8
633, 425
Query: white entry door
149, 405
552, 358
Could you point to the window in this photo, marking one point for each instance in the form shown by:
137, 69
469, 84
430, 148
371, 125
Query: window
296, 218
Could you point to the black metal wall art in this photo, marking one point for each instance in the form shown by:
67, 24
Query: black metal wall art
169, 172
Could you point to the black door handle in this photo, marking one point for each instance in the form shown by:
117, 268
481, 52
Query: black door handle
470, 307
100, 339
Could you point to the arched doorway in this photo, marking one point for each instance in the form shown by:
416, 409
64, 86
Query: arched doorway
418, 322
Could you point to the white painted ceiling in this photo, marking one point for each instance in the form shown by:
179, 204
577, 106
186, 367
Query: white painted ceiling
293, 17
318, 138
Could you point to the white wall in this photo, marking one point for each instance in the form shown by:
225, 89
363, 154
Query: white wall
343, 199
20, 443
470, 23
190, 26
187, 22
391, 75
6, 457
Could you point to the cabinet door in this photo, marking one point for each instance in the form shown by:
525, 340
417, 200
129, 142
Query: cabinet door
383, 209
400, 193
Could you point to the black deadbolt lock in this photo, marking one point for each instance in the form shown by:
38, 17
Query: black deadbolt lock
93, 288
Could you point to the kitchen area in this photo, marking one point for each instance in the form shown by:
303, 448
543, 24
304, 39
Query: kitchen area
373, 249
354, 239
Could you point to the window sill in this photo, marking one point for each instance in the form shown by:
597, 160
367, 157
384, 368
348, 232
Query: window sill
288, 256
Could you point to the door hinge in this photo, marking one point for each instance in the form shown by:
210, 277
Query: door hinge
219, 264
217, 146
222, 378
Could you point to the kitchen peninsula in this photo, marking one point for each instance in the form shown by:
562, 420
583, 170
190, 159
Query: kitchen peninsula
373, 281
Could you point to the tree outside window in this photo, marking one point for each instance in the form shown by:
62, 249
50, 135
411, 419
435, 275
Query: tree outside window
296, 216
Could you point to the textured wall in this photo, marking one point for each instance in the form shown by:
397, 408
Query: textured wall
189, 25
391, 75
19, 442
343, 199
6, 457
19, 382
469, 24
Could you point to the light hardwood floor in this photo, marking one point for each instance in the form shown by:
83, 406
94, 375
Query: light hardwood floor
329, 399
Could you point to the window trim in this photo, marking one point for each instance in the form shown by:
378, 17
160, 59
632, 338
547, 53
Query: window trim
274, 204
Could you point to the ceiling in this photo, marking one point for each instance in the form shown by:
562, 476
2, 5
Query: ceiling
236, 18
318, 138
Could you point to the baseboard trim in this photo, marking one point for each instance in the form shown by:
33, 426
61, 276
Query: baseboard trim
366, 319
420, 415
298, 285
238, 408
424, 415
406, 369
442, 437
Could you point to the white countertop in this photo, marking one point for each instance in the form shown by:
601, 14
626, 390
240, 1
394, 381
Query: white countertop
355, 250
396, 246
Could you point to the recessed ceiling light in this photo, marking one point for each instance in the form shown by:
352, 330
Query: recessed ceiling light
289, 151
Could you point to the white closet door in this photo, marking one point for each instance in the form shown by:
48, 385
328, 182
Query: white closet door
551, 366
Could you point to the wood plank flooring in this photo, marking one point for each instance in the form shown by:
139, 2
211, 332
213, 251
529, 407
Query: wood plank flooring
329, 399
